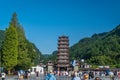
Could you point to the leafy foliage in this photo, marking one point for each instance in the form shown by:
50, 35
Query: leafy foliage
49, 57
33, 53
9, 49
22, 49
2, 35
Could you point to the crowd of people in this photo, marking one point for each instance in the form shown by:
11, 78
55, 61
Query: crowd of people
74, 75
85, 75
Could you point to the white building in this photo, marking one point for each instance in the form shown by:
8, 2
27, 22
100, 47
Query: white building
38, 69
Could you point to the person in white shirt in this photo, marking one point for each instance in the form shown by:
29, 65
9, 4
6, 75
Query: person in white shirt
3, 75
76, 77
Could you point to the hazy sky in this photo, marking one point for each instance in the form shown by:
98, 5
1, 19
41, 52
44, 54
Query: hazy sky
45, 20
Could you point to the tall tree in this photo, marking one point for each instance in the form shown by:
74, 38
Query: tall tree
9, 49
24, 62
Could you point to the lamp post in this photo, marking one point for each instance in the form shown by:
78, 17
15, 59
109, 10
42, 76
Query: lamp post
82, 63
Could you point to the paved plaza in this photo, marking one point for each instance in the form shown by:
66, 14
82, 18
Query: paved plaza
42, 77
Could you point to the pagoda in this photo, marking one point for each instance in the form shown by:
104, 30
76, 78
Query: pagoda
63, 53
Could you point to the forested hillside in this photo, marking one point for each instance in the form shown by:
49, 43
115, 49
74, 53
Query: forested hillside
49, 57
100, 49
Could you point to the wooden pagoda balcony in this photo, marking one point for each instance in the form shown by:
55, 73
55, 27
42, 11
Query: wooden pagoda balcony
63, 43
63, 61
63, 65
63, 47
63, 58
62, 54
63, 38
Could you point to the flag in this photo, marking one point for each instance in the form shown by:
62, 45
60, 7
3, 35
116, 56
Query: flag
74, 63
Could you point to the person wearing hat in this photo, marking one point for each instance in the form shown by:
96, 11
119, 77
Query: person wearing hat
86, 76
50, 76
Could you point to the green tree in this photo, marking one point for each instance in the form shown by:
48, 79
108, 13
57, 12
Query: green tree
38, 55
9, 49
33, 53
24, 62
101, 60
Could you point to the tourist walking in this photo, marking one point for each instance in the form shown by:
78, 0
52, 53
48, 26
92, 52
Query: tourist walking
86, 76
111, 74
76, 76
91, 75
3, 75
50, 76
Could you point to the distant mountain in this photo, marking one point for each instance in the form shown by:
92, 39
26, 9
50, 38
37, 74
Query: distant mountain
100, 49
49, 57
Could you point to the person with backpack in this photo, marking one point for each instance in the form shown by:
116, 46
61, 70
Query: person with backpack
76, 77
50, 76
91, 75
